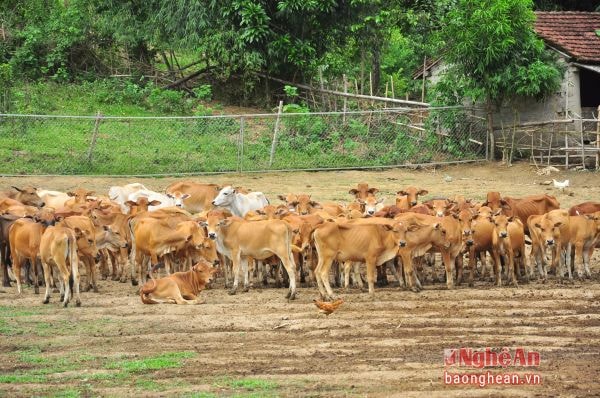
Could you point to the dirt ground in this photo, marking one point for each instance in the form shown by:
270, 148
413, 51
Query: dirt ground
259, 344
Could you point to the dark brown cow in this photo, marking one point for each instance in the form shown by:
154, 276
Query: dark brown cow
522, 208
26, 196
584, 208
362, 191
412, 195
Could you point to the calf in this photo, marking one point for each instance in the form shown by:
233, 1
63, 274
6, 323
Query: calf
508, 241
26, 196
120, 194
362, 191
200, 196
553, 231
180, 287
58, 248
480, 241
584, 208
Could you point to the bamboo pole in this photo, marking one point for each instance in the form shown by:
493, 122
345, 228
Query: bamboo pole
275, 131
598, 140
582, 150
94, 136
566, 151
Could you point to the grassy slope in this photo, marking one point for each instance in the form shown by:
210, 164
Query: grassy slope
61, 146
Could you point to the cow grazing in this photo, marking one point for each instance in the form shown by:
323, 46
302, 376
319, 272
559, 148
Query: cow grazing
200, 196
180, 287
58, 249
238, 203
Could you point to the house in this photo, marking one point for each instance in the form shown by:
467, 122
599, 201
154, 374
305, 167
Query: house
575, 37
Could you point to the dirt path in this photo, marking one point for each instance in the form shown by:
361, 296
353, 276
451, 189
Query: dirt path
258, 344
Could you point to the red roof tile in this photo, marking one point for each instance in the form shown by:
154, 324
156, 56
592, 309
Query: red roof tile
571, 32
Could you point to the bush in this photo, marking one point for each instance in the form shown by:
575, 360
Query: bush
168, 101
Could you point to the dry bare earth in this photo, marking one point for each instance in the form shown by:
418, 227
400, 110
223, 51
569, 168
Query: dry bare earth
258, 344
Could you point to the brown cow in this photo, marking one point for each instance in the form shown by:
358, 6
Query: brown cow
26, 196
412, 195
154, 237
584, 236
303, 205
480, 241
86, 246
180, 287
522, 208
439, 207
239, 239
553, 231
201, 195
372, 244
584, 208
362, 191
508, 241
58, 248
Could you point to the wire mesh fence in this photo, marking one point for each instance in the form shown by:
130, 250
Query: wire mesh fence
68, 145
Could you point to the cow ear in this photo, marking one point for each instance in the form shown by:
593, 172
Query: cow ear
353, 191
261, 212
537, 225
203, 224
20, 190
497, 212
154, 203
169, 195
294, 203
557, 224
185, 196
423, 192
71, 193
78, 232
189, 237
373, 190
511, 219
281, 197
403, 193
106, 228
455, 215
429, 204
131, 203
387, 227
413, 227
90, 193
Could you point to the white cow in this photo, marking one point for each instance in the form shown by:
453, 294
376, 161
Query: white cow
168, 200
120, 194
54, 199
238, 203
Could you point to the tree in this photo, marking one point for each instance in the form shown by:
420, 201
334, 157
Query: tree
495, 55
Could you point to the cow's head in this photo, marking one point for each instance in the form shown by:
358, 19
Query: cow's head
370, 205
214, 220
28, 196
362, 191
80, 194
501, 222
412, 195
439, 207
225, 196
107, 238
178, 198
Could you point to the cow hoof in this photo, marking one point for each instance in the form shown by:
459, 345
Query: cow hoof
104, 277
65, 304
95, 289
414, 289
134, 282
46, 300
290, 296
471, 284
36, 290
78, 304
246, 289
232, 292
114, 278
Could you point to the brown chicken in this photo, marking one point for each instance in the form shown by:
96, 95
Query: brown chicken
326, 307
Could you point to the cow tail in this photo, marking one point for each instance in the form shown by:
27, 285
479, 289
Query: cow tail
130, 227
73, 260
145, 291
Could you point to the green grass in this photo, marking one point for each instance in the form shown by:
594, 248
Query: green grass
162, 361
20, 378
153, 146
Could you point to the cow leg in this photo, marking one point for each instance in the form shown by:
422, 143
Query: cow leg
347, 267
48, 280
587, 254
567, 260
497, 266
409, 271
449, 265
104, 266
76, 281
17, 263
371, 274
34, 267
322, 276
290, 267
472, 265
459, 268
512, 276
92, 271
236, 258
245, 261
390, 264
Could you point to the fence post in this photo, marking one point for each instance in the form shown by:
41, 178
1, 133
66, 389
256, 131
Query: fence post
94, 136
275, 131
241, 146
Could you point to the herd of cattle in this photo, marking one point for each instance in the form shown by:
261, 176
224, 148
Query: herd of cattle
193, 227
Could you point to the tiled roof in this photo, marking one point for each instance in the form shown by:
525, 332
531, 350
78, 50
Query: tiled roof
571, 32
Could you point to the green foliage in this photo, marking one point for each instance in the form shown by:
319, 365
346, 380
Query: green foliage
494, 53
290, 91
167, 101
203, 92
162, 361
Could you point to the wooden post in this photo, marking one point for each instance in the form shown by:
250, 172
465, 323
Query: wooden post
241, 146
275, 131
566, 151
371, 86
598, 140
94, 136
392, 86
345, 98
550, 148
582, 150
423, 85
322, 88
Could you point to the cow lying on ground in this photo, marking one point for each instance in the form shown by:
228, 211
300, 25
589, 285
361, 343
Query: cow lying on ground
180, 287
